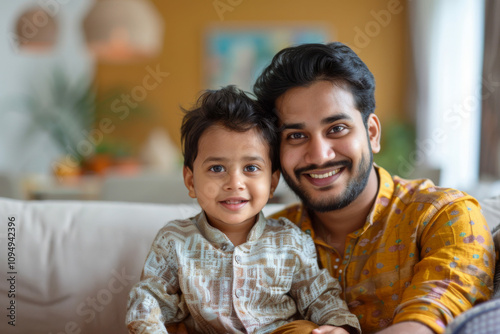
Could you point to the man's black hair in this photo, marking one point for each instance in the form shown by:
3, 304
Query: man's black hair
302, 65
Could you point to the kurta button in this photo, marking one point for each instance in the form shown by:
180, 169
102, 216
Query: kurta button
237, 258
238, 293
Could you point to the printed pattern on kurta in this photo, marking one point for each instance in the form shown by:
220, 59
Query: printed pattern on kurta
194, 274
424, 254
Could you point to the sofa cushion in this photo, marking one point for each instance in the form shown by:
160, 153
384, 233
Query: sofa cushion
491, 212
481, 319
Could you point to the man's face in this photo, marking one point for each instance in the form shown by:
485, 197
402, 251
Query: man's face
326, 151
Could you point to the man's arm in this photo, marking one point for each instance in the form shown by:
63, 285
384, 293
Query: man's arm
455, 270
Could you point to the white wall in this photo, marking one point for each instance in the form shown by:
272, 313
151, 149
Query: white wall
24, 148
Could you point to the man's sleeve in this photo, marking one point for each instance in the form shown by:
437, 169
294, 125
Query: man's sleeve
455, 271
155, 299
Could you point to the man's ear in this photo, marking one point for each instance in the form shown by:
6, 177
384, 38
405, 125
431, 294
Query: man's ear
188, 181
374, 130
275, 179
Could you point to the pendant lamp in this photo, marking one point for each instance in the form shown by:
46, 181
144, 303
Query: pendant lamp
36, 30
123, 30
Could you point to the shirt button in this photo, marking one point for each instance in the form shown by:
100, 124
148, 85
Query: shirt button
224, 247
337, 260
340, 271
335, 267
238, 293
237, 258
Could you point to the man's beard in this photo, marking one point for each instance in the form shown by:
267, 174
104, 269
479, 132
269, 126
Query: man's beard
354, 187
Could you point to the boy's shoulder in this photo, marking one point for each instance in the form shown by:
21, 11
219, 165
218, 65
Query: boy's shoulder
178, 228
292, 212
283, 225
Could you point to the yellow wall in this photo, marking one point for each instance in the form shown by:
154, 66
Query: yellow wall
383, 47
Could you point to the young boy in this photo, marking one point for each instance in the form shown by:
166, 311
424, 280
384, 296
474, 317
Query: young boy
229, 269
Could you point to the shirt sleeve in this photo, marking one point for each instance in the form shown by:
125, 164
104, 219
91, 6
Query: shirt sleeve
156, 298
456, 266
318, 294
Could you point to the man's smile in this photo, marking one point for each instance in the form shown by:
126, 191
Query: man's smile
324, 175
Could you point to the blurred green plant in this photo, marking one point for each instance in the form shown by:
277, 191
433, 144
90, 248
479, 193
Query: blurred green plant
68, 111
63, 108
397, 142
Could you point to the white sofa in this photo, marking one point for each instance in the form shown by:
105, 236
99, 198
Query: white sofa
75, 261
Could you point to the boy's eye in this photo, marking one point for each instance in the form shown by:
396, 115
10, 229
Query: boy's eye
216, 169
251, 168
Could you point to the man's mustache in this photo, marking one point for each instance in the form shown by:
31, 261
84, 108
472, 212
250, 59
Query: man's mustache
330, 164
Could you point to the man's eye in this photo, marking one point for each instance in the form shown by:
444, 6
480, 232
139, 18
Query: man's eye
217, 169
295, 135
251, 168
337, 128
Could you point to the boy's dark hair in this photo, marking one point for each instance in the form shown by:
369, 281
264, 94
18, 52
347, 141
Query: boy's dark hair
233, 109
300, 66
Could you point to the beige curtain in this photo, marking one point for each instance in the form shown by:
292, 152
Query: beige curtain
490, 122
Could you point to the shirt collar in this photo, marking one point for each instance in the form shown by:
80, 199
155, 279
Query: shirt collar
219, 239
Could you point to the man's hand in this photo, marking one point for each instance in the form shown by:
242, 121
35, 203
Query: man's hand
177, 328
407, 327
327, 329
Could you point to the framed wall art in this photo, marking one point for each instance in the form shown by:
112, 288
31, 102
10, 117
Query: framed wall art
237, 54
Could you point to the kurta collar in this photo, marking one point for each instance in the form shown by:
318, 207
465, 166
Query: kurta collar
219, 239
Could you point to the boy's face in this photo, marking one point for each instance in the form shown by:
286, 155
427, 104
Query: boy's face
232, 176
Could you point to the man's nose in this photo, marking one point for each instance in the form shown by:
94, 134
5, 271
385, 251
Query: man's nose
319, 151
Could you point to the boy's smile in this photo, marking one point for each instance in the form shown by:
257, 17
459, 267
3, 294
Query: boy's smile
232, 177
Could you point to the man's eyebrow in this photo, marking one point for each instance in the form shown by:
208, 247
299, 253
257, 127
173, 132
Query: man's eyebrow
335, 118
292, 126
324, 121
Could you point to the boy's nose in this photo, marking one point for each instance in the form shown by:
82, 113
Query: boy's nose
234, 182
319, 151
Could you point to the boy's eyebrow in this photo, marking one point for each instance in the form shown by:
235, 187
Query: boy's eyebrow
246, 158
324, 121
214, 159
253, 158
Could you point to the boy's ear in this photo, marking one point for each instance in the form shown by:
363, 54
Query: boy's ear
188, 181
275, 179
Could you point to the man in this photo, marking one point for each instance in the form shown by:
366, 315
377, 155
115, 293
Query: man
410, 256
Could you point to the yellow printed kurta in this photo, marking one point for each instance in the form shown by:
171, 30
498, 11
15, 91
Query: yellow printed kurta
424, 254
